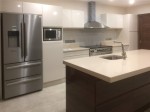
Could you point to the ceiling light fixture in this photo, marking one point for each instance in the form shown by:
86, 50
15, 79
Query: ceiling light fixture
111, 0
131, 2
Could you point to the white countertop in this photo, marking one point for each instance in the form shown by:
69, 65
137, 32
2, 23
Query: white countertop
137, 62
74, 49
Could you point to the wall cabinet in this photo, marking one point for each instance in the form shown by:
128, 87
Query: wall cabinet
52, 61
73, 18
14, 6
32, 8
112, 20
52, 16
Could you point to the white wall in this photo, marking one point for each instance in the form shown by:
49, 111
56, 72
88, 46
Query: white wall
139, 9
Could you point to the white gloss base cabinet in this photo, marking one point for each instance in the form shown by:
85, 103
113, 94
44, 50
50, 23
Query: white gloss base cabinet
73, 18
112, 20
119, 48
52, 61
52, 16
73, 55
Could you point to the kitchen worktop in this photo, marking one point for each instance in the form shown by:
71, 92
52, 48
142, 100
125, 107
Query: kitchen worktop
74, 49
137, 62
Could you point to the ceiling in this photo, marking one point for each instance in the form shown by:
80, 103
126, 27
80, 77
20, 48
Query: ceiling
121, 3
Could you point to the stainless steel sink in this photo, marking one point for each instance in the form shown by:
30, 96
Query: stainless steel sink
112, 57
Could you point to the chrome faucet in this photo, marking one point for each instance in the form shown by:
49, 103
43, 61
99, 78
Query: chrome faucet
124, 55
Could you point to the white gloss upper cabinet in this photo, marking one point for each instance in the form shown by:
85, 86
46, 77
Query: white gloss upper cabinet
32, 8
52, 16
67, 18
14, 6
73, 18
112, 20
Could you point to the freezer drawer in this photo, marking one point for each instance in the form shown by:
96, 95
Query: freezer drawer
22, 86
14, 71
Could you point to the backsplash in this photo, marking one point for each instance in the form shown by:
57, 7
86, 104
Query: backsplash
89, 36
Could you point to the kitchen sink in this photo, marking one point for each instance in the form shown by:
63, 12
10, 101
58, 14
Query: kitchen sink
112, 57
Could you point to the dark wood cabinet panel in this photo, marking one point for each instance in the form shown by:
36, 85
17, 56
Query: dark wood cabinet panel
144, 31
85, 93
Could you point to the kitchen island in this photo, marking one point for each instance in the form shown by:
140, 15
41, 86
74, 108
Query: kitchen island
94, 84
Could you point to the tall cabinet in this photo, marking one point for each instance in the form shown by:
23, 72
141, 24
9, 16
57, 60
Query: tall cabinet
52, 50
131, 26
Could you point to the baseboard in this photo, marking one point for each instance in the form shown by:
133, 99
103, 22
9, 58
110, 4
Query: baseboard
52, 83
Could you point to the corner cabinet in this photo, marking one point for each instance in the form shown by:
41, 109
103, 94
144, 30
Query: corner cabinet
32, 8
112, 20
14, 6
52, 16
73, 18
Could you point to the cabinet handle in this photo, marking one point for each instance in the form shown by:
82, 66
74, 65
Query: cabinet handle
23, 81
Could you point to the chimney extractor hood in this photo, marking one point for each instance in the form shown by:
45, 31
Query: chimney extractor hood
92, 23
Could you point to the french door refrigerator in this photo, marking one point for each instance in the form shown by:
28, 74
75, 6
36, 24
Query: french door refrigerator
22, 54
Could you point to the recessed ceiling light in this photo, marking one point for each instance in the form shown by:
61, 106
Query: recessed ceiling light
111, 0
131, 2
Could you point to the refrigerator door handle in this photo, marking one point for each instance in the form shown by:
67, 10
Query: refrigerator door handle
25, 40
23, 81
22, 54
26, 65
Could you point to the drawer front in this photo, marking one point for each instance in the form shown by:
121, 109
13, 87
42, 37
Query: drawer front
22, 86
15, 71
76, 53
77, 56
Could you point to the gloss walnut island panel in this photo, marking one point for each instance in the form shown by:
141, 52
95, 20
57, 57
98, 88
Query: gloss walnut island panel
86, 92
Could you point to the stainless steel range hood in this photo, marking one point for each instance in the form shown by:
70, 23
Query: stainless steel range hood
92, 23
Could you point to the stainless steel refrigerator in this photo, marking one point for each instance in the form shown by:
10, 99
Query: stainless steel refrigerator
21, 54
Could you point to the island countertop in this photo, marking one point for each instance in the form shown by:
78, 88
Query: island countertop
137, 62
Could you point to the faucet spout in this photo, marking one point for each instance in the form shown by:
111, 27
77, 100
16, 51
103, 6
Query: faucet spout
124, 55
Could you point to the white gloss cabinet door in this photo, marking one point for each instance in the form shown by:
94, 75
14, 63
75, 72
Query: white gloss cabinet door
53, 67
67, 18
73, 18
14, 6
77, 19
112, 20
0, 5
52, 16
32, 8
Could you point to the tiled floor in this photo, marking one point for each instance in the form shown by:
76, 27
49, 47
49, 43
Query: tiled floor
51, 99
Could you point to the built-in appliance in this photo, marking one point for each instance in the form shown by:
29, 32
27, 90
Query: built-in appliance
52, 34
92, 23
21, 54
99, 50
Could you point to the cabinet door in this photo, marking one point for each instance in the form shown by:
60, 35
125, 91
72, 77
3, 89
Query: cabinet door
53, 68
67, 18
133, 22
52, 16
12, 6
32, 8
77, 19
115, 21
0, 5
